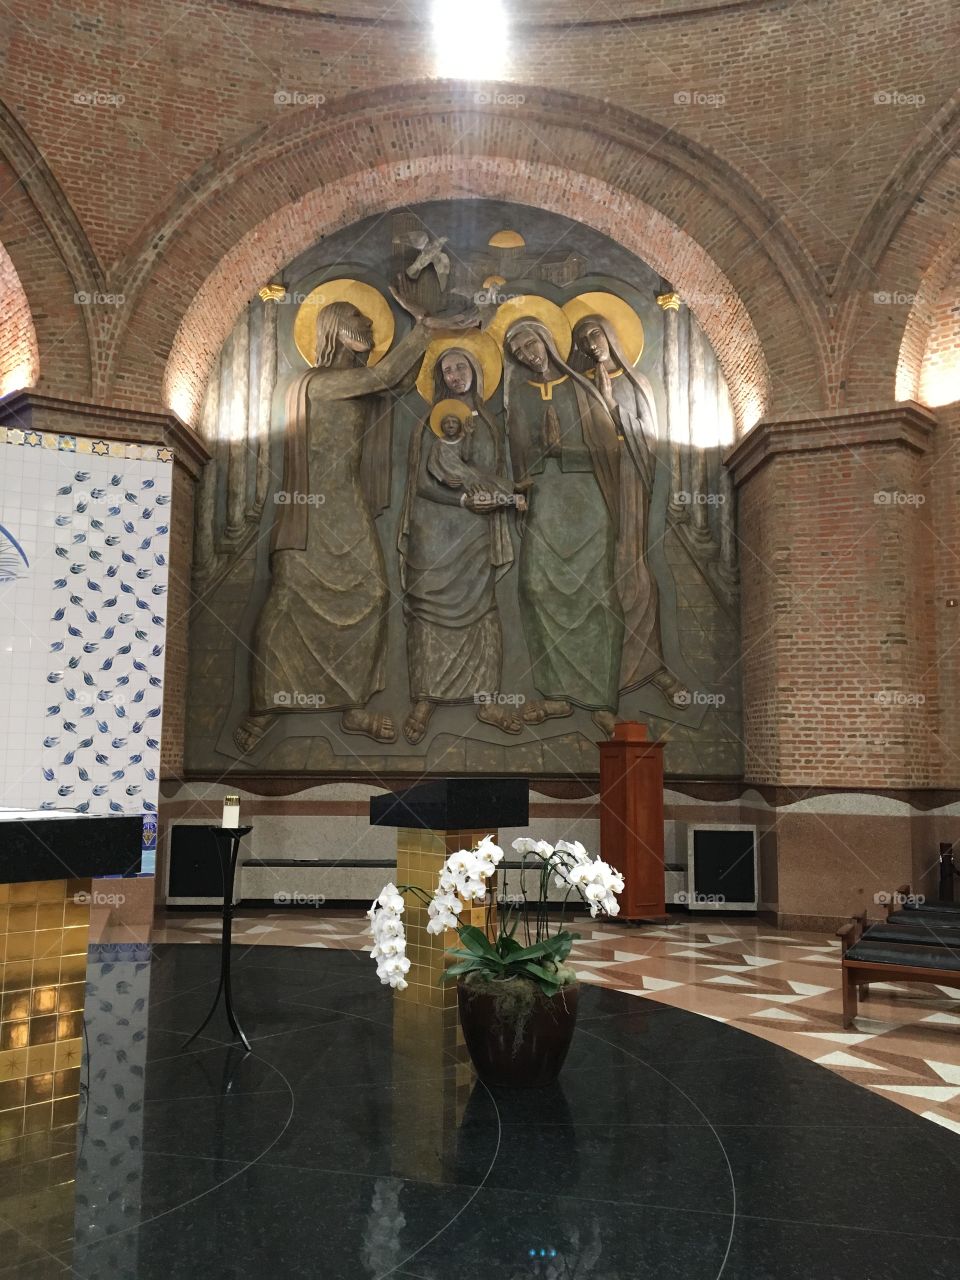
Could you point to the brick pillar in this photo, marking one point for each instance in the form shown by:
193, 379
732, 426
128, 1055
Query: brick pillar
944, 522
839, 659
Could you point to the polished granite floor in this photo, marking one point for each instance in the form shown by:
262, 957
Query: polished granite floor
782, 986
675, 1146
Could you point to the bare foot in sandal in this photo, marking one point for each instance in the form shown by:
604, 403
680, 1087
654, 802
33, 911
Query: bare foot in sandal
605, 722
501, 718
248, 732
415, 725
369, 724
548, 709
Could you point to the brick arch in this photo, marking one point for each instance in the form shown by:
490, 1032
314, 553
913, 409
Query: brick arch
53, 262
896, 270
19, 354
291, 230
675, 204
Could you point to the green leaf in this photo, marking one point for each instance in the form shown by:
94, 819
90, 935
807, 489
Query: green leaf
537, 951
491, 961
476, 940
465, 966
546, 979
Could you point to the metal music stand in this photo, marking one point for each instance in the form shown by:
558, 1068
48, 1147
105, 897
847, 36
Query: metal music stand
228, 847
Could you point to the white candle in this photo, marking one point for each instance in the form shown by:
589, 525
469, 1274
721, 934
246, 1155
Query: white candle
231, 812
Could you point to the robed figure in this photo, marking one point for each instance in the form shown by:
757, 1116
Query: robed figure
454, 545
600, 355
563, 439
320, 641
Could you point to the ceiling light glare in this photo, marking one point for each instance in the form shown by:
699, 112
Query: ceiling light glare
470, 39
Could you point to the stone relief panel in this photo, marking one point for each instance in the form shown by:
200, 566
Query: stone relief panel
466, 510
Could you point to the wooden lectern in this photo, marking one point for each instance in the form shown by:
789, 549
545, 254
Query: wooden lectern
631, 818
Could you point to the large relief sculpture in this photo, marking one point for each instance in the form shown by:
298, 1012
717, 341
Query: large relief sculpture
482, 547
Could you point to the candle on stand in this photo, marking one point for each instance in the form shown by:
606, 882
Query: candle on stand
231, 812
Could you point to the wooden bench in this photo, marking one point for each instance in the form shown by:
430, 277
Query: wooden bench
893, 952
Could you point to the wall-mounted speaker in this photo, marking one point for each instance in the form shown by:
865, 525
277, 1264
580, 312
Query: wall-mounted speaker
721, 867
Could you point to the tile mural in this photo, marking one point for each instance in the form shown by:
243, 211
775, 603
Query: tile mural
84, 532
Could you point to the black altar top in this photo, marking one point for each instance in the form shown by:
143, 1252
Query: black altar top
455, 804
62, 845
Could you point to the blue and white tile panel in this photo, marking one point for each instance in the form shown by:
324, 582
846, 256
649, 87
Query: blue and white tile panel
82, 621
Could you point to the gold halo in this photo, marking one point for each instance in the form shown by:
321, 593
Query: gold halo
491, 281
443, 409
483, 349
530, 306
363, 296
620, 314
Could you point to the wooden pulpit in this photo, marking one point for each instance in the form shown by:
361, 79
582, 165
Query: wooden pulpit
631, 818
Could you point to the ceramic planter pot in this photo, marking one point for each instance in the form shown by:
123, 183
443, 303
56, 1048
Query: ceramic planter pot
517, 1036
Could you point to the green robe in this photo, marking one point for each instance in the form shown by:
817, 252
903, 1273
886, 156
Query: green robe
572, 617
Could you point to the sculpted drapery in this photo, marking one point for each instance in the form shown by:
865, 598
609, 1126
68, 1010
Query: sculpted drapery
629, 396
574, 469
563, 438
452, 551
320, 639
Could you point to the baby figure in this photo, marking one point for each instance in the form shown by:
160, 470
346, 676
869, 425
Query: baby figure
451, 453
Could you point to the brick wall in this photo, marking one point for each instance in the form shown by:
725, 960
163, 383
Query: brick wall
784, 164
943, 531
19, 361
839, 663
940, 371
791, 142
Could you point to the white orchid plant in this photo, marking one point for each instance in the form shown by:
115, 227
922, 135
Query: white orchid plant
464, 878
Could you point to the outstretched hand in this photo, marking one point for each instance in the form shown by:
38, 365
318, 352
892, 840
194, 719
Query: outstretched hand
467, 318
398, 289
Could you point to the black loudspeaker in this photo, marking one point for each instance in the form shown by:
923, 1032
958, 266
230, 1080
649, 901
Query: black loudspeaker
722, 868
194, 877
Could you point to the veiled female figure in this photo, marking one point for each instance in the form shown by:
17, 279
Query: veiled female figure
453, 547
320, 640
563, 438
629, 397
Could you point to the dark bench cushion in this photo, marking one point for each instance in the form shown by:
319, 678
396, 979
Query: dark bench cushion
924, 933
918, 957
930, 911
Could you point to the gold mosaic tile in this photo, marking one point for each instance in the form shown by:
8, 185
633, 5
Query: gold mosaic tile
43, 939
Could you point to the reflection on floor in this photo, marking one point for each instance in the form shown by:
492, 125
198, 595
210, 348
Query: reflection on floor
783, 987
673, 1148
